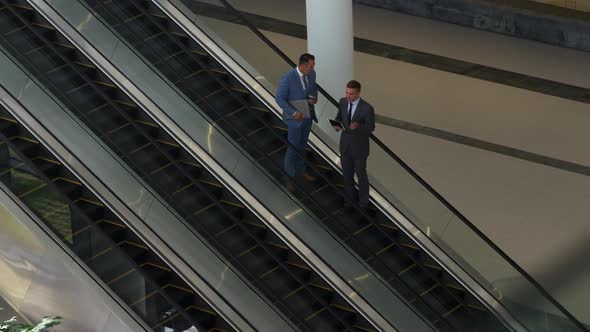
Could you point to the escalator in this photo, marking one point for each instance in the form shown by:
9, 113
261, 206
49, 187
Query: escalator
98, 237
392, 254
188, 187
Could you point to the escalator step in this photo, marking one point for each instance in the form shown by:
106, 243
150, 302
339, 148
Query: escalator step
157, 272
28, 146
91, 209
139, 253
220, 102
237, 239
130, 287
192, 199
50, 168
281, 281
109, 264
144, 158
213, 217
68, 187
85, 96
114, 230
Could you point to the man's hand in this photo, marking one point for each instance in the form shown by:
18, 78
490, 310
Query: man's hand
354, 125
297, 116
337, 128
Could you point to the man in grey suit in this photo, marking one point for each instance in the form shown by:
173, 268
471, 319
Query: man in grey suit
358, 118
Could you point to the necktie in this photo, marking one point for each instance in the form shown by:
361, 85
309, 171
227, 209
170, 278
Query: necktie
305, 83
349, 113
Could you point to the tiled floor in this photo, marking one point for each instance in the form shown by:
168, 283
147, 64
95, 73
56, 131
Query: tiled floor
371, 46
448, 40
581, 5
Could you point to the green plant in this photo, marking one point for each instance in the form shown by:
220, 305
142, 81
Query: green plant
12, 325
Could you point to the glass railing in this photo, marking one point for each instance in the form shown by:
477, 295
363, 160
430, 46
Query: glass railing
493, 269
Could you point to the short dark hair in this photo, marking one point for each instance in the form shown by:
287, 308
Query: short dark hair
354, 85
305, 58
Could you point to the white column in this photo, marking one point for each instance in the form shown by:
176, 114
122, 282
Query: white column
330, 39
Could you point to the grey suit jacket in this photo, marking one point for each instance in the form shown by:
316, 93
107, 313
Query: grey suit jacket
356, 141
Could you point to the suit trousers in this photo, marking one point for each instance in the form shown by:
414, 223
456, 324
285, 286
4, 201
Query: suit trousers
352, 164
298, 134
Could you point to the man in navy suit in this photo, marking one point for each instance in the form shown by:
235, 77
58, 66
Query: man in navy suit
298, 84
358, 118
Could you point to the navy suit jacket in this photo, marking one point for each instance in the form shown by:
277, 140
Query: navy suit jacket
290, 88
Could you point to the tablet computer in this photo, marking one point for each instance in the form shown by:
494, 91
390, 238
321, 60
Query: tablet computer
301, 106
335, 123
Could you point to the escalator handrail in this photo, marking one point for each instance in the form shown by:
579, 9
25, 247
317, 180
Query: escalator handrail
417, 177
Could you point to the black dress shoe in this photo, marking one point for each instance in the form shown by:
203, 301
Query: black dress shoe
291, 187
309, 178
370, 212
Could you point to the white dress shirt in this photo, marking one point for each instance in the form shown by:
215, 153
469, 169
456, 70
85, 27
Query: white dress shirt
354, 105
301, 78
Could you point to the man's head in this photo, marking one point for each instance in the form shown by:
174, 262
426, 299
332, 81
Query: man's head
306, 63
353, 91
